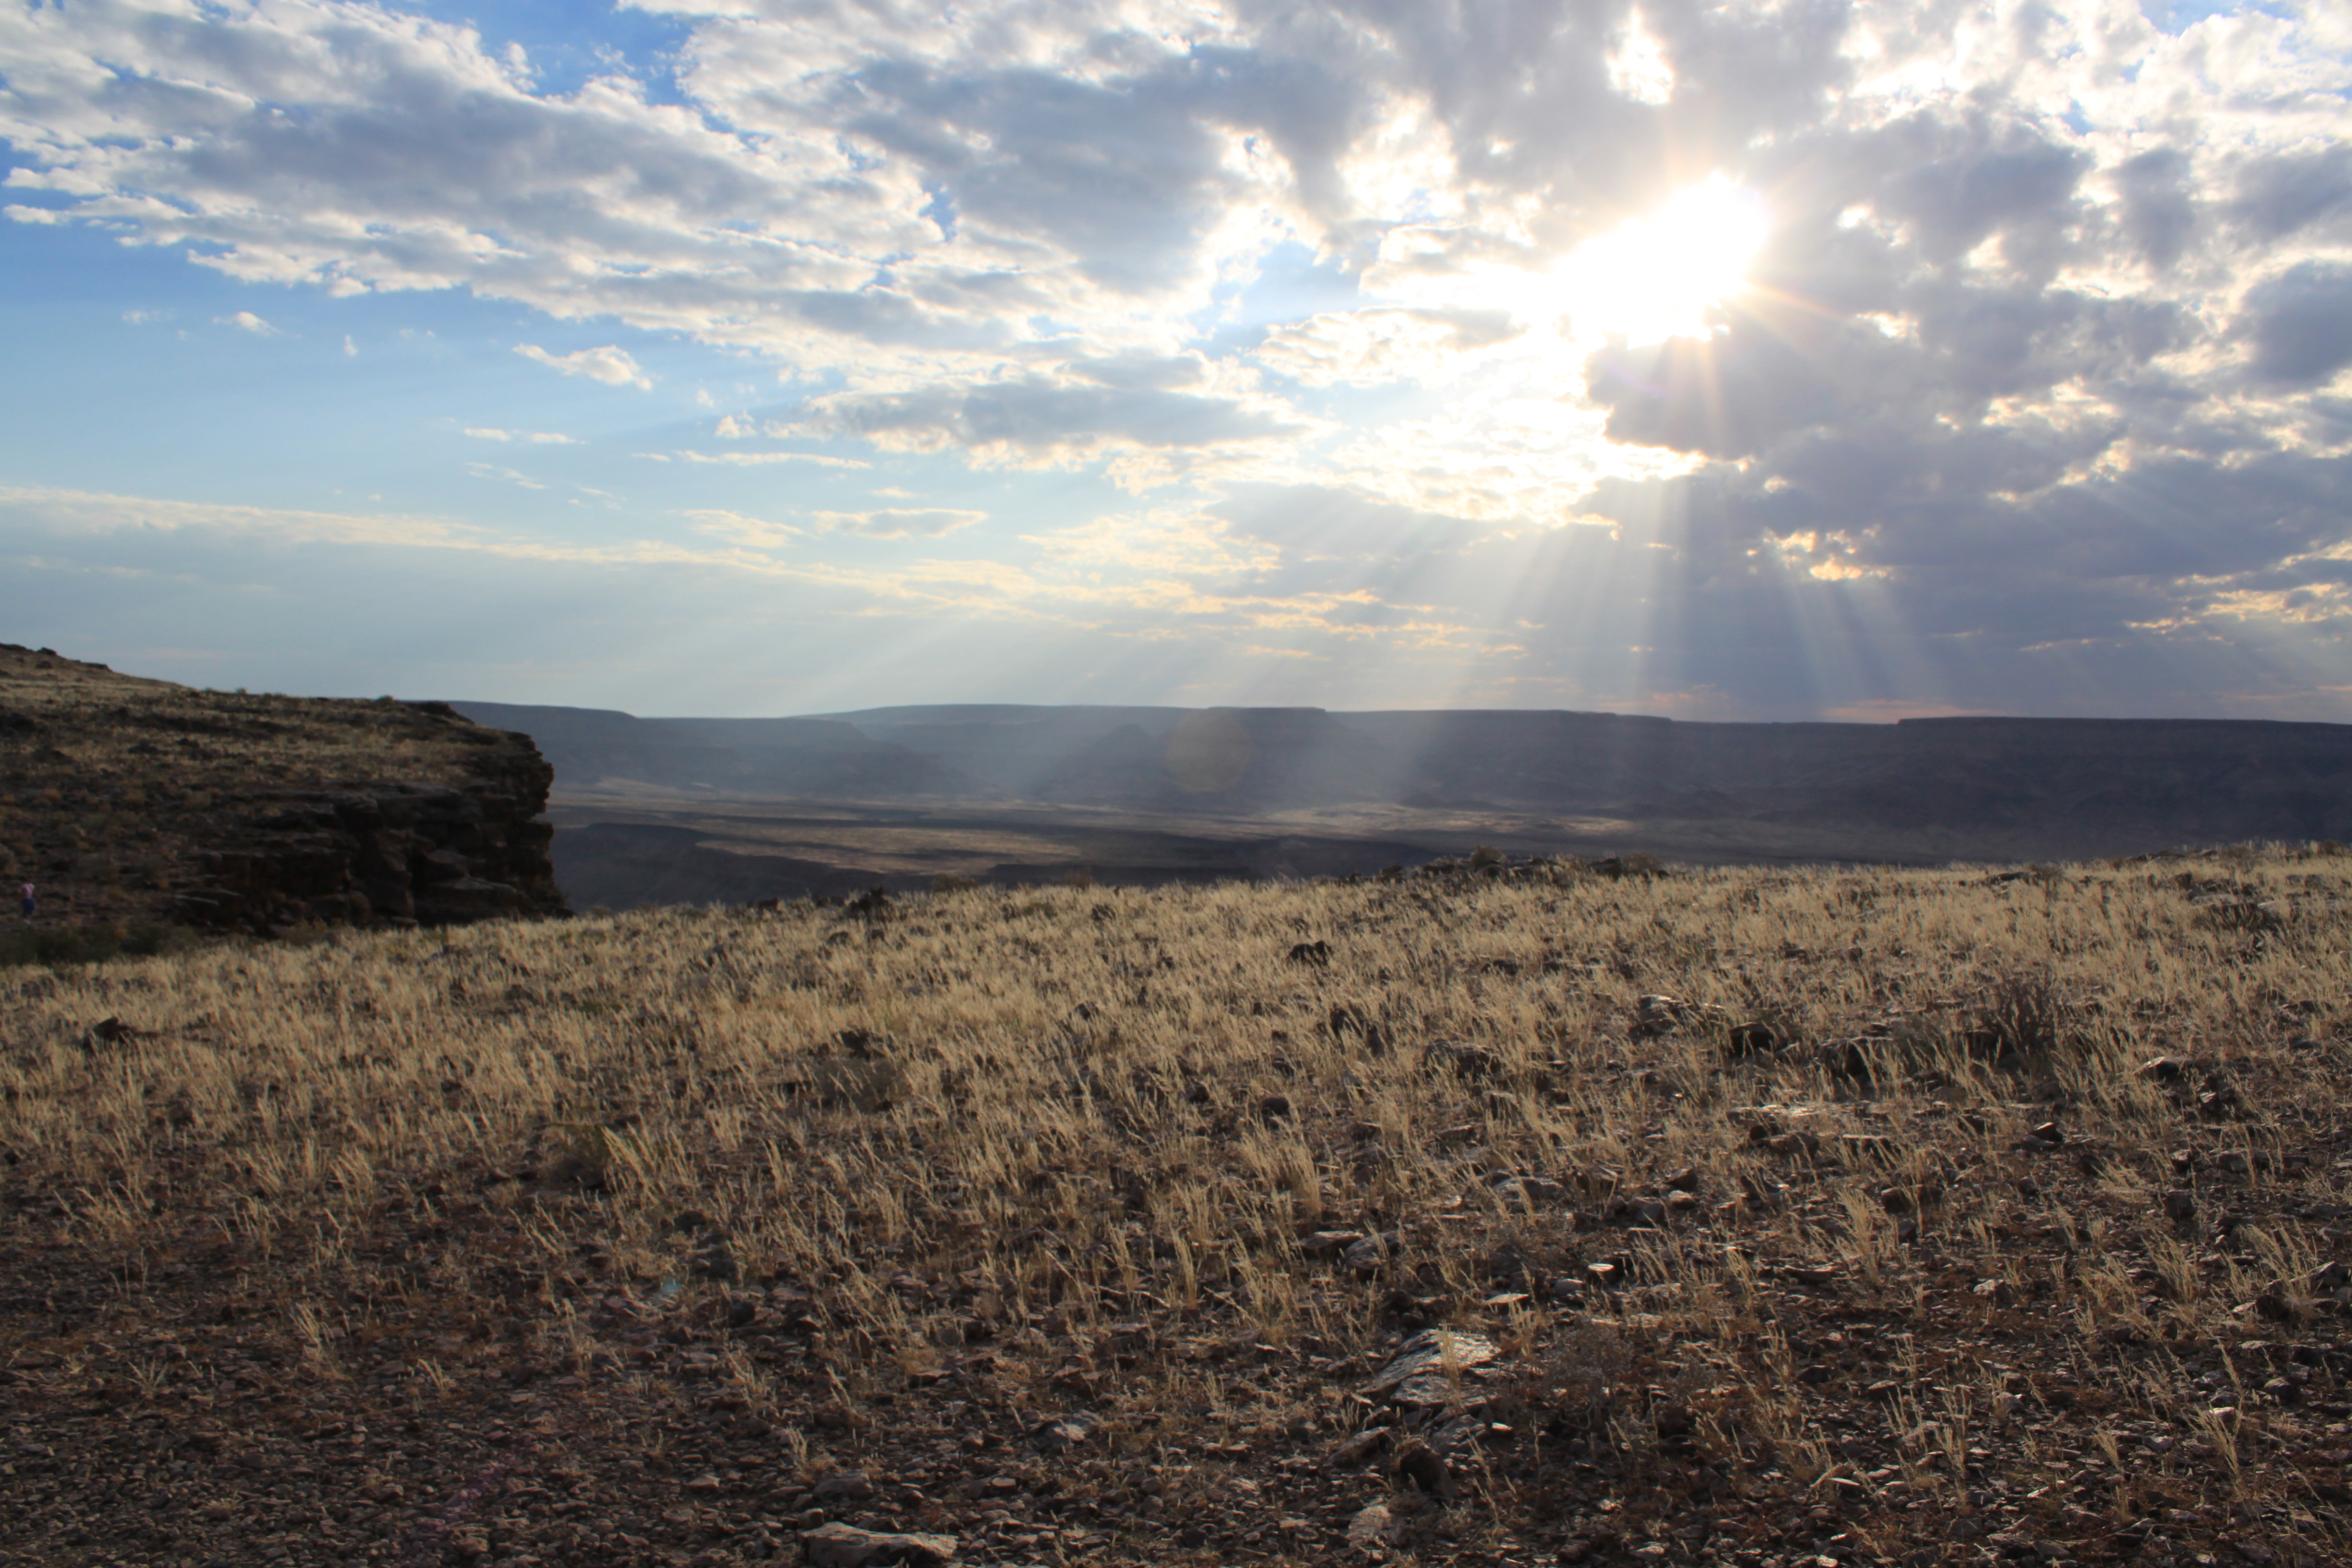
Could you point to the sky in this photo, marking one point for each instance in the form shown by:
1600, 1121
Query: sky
1806, 360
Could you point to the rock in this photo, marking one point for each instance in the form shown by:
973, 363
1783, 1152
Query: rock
1528, 1192
847, 1546
1366, 1255
1324, 1243
1425, 1369
843, 1486
388, 853
1422, 1467
1635, 1210
1466, 1431
1355, 1450
112, 1032
1748, 1040
1054, 1437
1374, 1528
2179, 1204
1684, 1180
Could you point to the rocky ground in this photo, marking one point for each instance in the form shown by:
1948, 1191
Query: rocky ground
1502, 1214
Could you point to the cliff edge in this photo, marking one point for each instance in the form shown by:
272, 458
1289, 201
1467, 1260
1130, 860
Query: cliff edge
129, 802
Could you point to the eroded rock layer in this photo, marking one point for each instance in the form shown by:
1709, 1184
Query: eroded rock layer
132, 802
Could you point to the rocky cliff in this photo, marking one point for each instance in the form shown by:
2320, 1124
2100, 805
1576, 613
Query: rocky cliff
130, 802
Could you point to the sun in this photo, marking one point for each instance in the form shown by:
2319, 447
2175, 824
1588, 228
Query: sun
1656, 277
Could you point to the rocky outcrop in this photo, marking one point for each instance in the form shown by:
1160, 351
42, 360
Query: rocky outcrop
379, 854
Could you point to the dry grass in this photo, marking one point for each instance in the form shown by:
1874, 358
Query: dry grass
648, 1225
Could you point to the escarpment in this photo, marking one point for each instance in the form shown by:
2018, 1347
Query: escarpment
132, 802
396, 853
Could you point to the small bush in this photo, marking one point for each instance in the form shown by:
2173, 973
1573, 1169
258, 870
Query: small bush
2019, 1015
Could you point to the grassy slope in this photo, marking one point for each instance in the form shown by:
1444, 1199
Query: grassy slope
608, 1240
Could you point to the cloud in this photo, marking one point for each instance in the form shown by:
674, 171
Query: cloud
2040, 349
900, 523
751, 532
766, 459
536, 438
1039, 421
611, 365
491, 471
246, 321
2301, 323
69, 516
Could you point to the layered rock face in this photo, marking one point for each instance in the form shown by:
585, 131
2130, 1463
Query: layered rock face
397, 854
132, 804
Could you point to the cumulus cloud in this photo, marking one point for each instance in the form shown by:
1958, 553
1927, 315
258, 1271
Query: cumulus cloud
2039, 348
246, 321
2301, 323
609, 364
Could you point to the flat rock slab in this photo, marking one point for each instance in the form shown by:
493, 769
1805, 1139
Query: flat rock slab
847, 1546
1425, 1369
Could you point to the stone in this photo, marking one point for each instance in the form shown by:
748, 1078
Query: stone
843, 1486
847, 1546
1425, 1370
1355, 1450
1374, 1528
1053, 1437
1528, 1192
1424, 1469
2179, 1204
1327, 1242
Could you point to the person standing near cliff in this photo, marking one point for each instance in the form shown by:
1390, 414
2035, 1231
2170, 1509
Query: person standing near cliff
26, 893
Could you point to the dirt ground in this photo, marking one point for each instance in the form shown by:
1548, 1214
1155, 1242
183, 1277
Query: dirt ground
1504, 1213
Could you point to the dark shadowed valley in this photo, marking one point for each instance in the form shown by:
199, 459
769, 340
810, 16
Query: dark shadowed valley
698, 810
